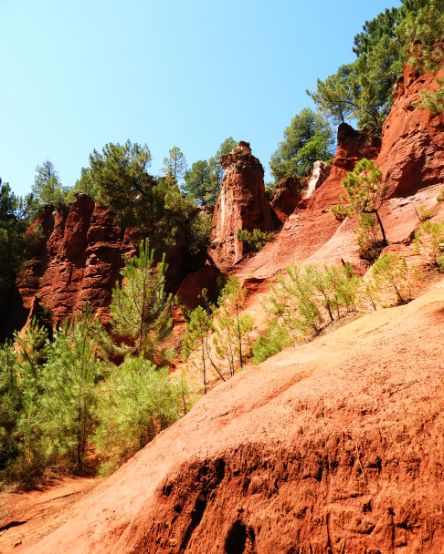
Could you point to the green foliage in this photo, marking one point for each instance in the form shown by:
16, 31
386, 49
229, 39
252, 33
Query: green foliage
13, 222
47, 188
370, 245
275, 339
200, 232
423, 213
420, 32
195, 339
135, 403
51, 393
9, 405
295, 305
432, 100
86, 184
204, 179
392, 275
307, 139
429, 240
440, 197
307, 295
69, 378
254, 240
362, 90
118, 176
199, 184
175, 165
232, 327
365, 194
140, 308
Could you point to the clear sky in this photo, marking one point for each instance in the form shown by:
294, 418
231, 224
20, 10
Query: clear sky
77, 74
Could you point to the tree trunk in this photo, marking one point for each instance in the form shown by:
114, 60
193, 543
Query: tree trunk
384, 238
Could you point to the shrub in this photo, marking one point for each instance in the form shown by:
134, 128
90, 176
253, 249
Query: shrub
136, 402
391, 273
254, 240
423, 213
429, 240
275, 339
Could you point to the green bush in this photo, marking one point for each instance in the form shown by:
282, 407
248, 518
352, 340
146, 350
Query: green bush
275, 339
429, 240
392, 275
254, 240
135, 403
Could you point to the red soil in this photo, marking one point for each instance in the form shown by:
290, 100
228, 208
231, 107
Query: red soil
334, 446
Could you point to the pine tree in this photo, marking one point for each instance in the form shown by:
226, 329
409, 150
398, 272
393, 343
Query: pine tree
140, 307
195, 337
135, 403
365, 193
232, 324
69, 380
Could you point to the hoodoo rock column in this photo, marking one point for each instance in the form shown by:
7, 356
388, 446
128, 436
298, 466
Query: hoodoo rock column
241, 205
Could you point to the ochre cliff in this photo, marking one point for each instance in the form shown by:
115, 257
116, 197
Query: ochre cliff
241, 205
412, 152
411, 157
73, 258
286, 196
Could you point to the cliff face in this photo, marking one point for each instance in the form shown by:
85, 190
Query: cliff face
241, 205
411, 157
73, 258
412, 152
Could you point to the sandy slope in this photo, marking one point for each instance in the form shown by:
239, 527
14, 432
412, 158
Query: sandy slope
335, 446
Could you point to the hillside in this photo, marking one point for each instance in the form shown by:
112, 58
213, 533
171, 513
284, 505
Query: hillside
332, 446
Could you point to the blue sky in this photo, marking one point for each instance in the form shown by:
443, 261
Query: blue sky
77, 74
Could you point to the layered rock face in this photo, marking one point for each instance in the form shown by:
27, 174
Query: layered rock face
73, 258
241, 205
412, 153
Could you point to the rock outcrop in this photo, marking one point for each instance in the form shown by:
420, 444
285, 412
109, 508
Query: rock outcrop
321, 170
241, 205
412, 152
308, 232
73, 258
411, 157
286, 197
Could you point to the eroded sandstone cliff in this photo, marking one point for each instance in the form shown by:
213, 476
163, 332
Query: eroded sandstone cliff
73, 258
241, 205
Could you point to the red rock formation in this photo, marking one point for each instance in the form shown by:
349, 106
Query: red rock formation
286, 197
207, 277
412, 153
309, 231
241, 205
73, 258
352, 146
321, 170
